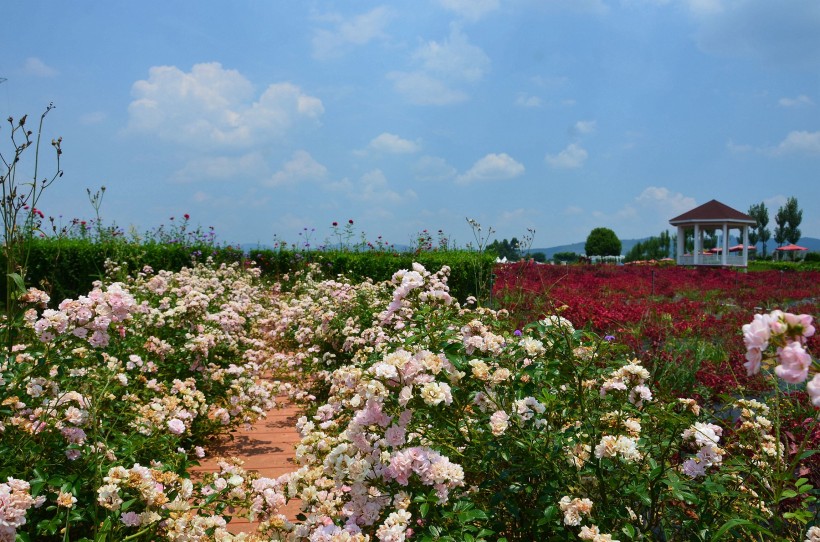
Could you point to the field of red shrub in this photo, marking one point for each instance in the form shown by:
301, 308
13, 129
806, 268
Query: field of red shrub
657, 312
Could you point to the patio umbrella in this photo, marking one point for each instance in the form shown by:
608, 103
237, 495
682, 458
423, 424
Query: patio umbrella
791, 248
739, 248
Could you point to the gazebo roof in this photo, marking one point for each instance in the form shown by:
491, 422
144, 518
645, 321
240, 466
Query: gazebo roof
713, 212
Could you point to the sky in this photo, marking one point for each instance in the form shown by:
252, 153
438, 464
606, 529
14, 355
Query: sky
270, 120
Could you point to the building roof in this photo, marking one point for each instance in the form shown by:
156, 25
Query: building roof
711, 212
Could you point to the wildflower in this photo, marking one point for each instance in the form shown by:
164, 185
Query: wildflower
813, 534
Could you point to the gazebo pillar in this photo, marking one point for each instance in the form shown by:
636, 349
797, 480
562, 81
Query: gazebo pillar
745, 245
724, 253
698, 243
681, 245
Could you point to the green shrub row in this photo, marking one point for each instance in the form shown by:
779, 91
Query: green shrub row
66, 268
470, 271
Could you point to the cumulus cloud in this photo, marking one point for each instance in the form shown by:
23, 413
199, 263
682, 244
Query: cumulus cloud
799, 142
493, 167
391, 143
571, 157
37, 68
470, 9
211, 107
801, 100
373, 187
350, 31
455, 57
221, 168
433, 168
665, 201
301, 167
442, 67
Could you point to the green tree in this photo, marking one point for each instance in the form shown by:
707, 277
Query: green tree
569, 257
602, 242
794, 216
781, 219
506, 249
760, 232
654, 248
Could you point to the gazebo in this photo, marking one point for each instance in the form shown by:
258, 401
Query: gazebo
711, 216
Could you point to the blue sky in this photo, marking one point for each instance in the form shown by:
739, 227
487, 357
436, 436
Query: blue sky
264, 118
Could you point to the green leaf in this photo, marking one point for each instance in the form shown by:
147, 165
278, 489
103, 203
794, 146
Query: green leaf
18, 281
424, 508
629, 531
737, 522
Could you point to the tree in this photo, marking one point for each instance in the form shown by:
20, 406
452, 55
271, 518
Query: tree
760, 232
782, 223
602, 242
794, 216
788, 219
506, 249
569, 257
654, 248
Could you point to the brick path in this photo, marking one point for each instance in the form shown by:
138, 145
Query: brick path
267, 448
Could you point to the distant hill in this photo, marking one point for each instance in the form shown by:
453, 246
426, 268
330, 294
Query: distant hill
811, 243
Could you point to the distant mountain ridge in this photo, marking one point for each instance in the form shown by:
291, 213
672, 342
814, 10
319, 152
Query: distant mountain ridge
811, 243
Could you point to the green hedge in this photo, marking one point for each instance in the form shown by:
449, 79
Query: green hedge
469, 271
66, 268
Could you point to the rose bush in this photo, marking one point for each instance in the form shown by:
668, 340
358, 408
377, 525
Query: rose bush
456, 423
138, 372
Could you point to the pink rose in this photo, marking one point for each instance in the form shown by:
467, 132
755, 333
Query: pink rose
813, 388
757, 333
794, 363
176, 426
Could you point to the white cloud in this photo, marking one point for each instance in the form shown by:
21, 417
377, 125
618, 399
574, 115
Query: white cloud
221, 168
572, 157
525, 100
795, 102
433, 168
346, 32
422, 89
455, 58
573, 210
470, 9
36, 67
374, 188
387, 142
493, 167
301, 167
211, 107
441, 67
664, 201
799, 142
583, 127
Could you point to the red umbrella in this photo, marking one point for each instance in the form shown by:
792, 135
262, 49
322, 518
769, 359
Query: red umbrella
739, 248
791, 247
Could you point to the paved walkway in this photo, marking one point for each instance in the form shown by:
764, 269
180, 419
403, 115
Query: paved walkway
267, 448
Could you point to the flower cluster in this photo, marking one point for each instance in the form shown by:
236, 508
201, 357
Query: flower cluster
788, 334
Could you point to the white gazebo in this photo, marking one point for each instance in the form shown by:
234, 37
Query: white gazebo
713, 215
